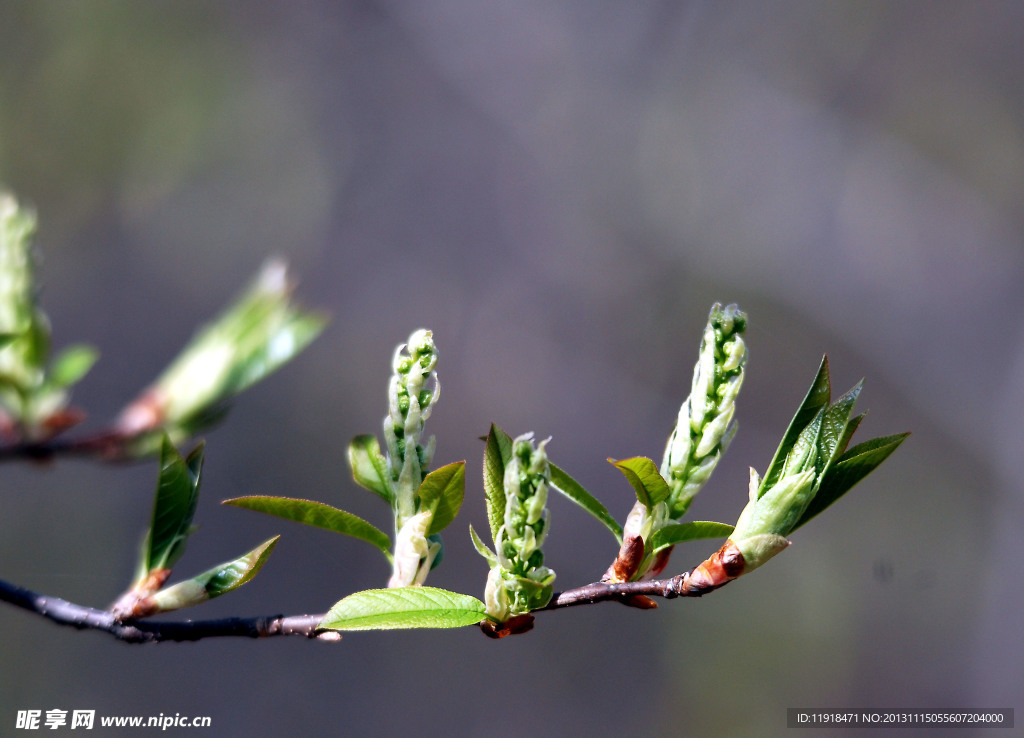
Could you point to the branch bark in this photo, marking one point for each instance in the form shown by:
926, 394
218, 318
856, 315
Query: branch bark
81, 617
72, 615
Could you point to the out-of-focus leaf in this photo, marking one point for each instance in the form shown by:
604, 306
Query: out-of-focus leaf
177, 494
318, 515
369, 467
575, 492
443, 489
695, 530
497, 454
643, 475
71, 364
258, 333
851, 467
404, 607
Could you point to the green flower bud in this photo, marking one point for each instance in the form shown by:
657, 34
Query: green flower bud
518, 582
412, 392
705, 424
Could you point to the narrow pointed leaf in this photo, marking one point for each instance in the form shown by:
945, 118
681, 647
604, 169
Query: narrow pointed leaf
643, 475
212, 583
234, 574
497, 453
695, 530
834, 425
318, 515
177, 494
369, 467
803, 454
817, 398
404, 607
72, 364
851, 428
443, 489
575, 492
851, 467
482, 548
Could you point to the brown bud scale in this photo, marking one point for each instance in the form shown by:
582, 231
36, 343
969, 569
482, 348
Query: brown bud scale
722, 567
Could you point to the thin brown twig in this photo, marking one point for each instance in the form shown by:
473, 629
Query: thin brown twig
81, 617
103, 446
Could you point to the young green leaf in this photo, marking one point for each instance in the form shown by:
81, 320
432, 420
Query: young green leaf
833, 427
71, 365
212, 583
851, 467
443, 490
497, 454
318, 515
695, 530
404, 607
234, 574
482, 548
816, 399
643, 475
369, 467
177, 494
258, 333
575, 492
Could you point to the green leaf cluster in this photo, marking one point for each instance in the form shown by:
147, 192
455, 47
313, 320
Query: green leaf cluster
174, 506
423, 510
811, 469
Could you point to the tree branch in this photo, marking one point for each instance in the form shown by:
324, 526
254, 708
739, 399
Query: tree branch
62, 612
104, 446
69, 614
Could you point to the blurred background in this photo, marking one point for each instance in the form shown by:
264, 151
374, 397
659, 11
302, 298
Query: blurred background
560, 191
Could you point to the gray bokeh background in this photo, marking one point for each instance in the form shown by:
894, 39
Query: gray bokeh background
560, 191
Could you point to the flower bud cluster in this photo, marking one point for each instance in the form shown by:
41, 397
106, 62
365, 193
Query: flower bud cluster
705, 425
412, 392
518, 581
703, 429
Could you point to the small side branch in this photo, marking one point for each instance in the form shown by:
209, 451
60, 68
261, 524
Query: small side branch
71, 615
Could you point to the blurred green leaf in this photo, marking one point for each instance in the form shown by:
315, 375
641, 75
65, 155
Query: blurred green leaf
71, 364
443, 489
575, 492
404, 607
369, 467
177, 494
497, 455
258, 333
695, 530
318, 515
851, 467
643, 475
816, 399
